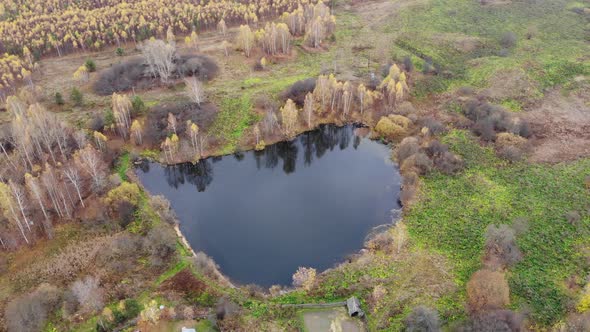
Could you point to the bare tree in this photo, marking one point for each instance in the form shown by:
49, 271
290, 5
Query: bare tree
73, 177
35, 188
193, 131
122, 111
9, 209
91, 162
172, 123
160, 58
221, 27
195, 90
308, 107
20, 198
88, 293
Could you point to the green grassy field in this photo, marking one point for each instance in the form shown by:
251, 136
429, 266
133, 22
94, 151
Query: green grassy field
550, 46
452, 216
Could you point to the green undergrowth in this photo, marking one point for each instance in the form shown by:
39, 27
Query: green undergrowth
235, 116
454, 212
122, 166
464, 38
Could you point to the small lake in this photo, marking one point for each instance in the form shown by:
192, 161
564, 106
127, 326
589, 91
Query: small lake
260, 215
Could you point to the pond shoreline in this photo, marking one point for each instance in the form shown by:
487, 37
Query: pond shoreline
360, 250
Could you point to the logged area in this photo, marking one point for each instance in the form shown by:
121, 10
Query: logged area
346, 165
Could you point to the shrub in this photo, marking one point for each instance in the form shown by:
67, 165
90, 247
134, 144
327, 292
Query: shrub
97, 123
382, 241
419, 163
226, 308
160, 243
448, 163
59, 99
30, 312
508, 39
388, 129
162, 207
435, 149
509, 139
435, 127
137, 106
299, 90
500, 247
90, 65
304, 277
422, 319
573, 217
407, 195
485, 129
3, 265
119, 51
125, 213
119, 77
576, 322
496, 320
400, 120
405, 108
487, 290
76, 97
408, 147
408, 64
70, 304
127, 191
205, 265
511, 153
185, 283
89, 294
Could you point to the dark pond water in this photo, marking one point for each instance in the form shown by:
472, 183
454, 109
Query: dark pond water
261, 215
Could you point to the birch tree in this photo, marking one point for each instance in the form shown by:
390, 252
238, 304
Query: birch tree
9, 209
245, 39
20, 198
36, 191
136, 132
92, 163
159, 57
171, 123
221, 27
289, 117
193, 131
194, 90
122, 112
73, 176
308, 108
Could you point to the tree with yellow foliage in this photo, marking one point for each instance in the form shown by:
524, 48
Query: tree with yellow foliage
245, 39
289, 116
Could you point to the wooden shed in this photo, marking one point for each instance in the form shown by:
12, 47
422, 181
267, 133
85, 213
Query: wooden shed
354, 307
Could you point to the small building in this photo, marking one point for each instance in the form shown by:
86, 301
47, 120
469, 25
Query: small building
184, 329
354, 307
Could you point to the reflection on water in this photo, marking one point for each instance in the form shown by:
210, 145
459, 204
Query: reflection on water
314, 145
261, 214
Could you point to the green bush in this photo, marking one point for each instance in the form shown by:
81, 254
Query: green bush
137, 105
119, 51
76, 97
90, 65
59, 99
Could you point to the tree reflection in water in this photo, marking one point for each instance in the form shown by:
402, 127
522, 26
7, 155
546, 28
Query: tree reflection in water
314, 143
